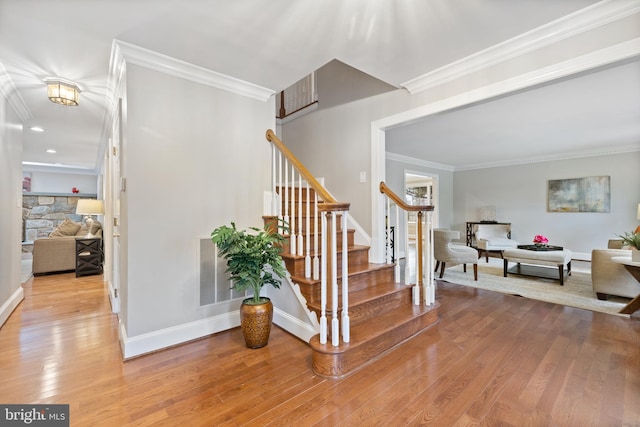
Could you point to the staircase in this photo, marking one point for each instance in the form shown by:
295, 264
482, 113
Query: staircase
382, 315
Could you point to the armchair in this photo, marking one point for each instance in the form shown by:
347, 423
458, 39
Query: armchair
609, 277
445, 251
494, 238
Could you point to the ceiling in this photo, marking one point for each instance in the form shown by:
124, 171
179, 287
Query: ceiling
275, 43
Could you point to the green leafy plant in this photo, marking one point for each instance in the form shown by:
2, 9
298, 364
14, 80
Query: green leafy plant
630, 239
253, 260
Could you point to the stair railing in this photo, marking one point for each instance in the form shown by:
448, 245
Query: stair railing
326, 209
424, 245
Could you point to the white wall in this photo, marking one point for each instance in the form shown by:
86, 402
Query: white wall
60, 182
520, 195
195, 157
11, 212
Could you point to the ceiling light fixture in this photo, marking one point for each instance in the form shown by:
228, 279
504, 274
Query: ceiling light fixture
36, 129
51, 151
62, 91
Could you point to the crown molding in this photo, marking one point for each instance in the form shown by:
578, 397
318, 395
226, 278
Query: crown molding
586, 19
625, 149
11, 94
174, 67
418, 162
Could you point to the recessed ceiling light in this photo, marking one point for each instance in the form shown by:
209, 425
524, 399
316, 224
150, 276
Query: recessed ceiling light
51, 151
36, 129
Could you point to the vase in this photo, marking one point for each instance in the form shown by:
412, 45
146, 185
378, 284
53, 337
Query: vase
255, 322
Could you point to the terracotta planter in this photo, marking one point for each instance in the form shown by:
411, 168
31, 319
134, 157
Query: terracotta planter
255, 322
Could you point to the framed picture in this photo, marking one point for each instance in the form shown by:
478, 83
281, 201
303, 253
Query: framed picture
590, 194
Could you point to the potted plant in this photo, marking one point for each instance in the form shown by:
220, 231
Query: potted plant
632, 240
253, 260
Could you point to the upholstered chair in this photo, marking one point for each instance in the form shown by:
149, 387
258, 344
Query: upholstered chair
609, 277
494, 238
445, 251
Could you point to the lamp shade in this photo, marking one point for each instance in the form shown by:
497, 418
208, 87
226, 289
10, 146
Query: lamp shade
638, 211
90, 207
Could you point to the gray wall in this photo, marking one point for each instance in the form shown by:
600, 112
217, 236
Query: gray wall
11, 212
519, 193
192, 161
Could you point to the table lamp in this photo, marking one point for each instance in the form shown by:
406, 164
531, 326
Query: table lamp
89, 207
638, 227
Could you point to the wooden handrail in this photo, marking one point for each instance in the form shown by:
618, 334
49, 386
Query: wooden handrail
398, 201
329, 203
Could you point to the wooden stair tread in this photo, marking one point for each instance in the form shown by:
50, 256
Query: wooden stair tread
351, 248
387, 322
371, 340
370, 293
355, 271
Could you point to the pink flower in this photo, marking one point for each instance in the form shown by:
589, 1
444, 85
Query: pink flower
539, 238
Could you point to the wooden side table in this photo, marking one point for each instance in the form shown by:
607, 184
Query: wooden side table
634, 269
88, 256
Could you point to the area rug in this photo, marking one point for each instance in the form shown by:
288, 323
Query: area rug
576, 292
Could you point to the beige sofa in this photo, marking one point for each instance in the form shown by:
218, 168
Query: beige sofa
609, 277
57, 252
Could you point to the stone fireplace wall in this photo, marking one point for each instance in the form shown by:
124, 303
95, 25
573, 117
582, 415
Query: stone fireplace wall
41, 214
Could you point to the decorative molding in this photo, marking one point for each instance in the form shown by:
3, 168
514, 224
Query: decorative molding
10, 304
563, 156
418, 162
586, 19
180, 334
174, 67
13, 97
607, 56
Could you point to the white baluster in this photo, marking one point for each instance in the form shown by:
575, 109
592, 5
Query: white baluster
407, 264
430, 280
395, 244
292, 236
316, 231
346, 328
387, 234
307, 258
274, 197
286, 196
300, 239
323, 284
335, 331
280, 215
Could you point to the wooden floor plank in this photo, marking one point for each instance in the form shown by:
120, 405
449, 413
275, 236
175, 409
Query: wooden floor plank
492, 359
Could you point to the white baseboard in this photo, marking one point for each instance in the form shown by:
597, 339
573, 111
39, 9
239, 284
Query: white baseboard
169, 337
581, 256
293, 325
7, 308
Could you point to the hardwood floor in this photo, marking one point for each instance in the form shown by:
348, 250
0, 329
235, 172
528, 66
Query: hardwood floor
492, 359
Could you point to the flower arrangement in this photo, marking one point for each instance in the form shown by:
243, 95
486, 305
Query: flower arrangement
539, 239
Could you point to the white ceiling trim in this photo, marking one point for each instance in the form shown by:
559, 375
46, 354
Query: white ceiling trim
11, 94
174, 67
564, 156
599, 58
581, 21
418, 162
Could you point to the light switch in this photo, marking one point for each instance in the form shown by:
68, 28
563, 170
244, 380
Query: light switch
363, 176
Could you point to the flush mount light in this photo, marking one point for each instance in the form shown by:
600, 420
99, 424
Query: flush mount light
62, 91
51, 151
36, 129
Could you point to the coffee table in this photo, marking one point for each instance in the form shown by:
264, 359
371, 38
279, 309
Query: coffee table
537, 260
